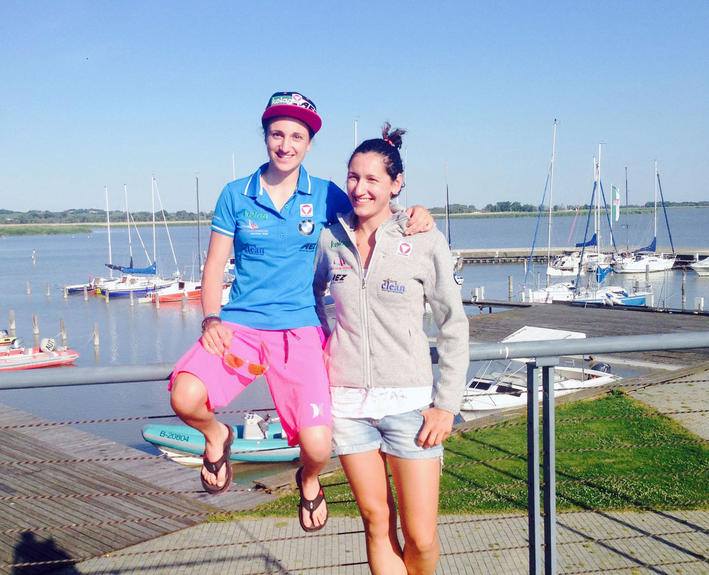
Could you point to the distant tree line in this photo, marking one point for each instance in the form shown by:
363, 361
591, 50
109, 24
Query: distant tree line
94, 216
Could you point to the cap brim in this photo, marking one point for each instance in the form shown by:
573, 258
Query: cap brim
308, 117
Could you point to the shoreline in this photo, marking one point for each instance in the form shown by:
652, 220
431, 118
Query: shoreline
40, 228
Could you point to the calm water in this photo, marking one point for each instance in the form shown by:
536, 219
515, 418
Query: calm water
141, 334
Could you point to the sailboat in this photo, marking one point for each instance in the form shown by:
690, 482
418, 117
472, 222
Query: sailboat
594, 292
457, 258
646, 259
134, 280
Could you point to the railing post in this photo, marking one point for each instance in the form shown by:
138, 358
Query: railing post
533, 485
549, 465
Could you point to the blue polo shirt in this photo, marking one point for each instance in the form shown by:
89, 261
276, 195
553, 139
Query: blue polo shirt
275, 251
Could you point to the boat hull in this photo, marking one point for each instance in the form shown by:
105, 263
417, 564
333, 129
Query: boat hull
182, 439
490, 394
35, 358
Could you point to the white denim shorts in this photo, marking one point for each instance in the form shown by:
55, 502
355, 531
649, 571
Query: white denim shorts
393, 434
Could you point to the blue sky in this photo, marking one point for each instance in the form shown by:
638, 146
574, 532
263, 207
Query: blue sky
100, 93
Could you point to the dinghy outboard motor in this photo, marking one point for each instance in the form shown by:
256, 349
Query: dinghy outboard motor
601, 366
47, 344
254, 426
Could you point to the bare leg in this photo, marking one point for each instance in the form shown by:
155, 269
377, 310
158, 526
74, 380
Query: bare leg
189, 400
315, 452
417, 483
367, 474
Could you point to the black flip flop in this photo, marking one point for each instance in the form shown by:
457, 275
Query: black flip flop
215, 466
309, 505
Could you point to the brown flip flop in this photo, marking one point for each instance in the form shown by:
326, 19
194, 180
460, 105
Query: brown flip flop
215, 466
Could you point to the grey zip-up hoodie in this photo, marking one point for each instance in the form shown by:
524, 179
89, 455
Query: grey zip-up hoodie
378, 339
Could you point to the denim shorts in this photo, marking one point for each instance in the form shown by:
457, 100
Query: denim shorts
393, 434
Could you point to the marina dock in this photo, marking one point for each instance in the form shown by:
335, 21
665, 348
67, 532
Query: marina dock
685, 255
76, 503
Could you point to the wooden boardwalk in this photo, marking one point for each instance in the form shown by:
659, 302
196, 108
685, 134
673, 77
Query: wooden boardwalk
66, 493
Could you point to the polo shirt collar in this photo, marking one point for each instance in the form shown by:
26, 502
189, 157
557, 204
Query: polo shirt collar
254, 188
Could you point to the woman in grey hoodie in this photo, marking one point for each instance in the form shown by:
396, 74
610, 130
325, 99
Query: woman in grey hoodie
387, 411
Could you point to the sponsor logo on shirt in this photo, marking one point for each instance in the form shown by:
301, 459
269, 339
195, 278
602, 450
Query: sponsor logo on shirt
338, 278
346, 243
306, 210
255, 215
252, 228
306, 227
308, 247
340, 264
404, 248
252, 249
392, 286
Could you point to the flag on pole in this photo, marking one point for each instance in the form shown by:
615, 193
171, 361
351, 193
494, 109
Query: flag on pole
615, 204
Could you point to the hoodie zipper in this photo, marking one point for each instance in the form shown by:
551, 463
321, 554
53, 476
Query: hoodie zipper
366, 355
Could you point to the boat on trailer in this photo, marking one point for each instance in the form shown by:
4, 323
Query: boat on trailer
507, 388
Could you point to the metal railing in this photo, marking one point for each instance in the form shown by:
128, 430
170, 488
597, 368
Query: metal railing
540, 374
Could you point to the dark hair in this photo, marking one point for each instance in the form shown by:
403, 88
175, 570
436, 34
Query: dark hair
388, 147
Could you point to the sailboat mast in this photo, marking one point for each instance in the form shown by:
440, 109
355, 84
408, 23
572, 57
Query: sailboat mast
627, 226
130, 243
199, 246
654, 179
108, 230
448, 219
152, 198
598, 206
551, 193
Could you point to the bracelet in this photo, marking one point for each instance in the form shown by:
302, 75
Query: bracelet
209, 317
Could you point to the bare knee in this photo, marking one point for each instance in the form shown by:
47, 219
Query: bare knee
422, 542
377, 520
316, 443
188, 394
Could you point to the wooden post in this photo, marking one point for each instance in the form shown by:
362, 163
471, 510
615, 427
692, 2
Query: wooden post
86, 293
96, 339
47, 290
28, 288
62, 331
106, 296
684, 289
184, 303
510, 289
35, 324
157, 301
12, 322
132, 301
65, 291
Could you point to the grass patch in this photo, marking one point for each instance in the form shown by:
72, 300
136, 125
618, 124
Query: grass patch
613, 453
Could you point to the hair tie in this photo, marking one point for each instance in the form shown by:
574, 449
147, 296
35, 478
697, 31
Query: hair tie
388, 141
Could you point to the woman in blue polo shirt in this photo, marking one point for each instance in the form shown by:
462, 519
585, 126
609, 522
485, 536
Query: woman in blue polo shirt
272, 219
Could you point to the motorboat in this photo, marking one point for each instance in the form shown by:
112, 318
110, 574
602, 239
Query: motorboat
506, 388
701, 267
14, 355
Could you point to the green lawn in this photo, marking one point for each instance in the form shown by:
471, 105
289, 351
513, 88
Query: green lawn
612, 453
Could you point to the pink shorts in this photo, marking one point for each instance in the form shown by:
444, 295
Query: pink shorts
294, 370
